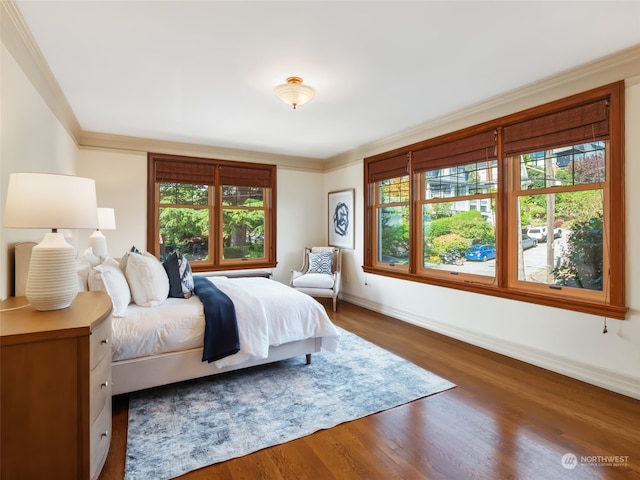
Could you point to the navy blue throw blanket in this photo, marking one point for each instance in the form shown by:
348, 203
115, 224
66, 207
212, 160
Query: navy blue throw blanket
221, 327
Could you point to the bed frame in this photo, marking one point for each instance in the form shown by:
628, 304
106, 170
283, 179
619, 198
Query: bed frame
153, 371
147, 372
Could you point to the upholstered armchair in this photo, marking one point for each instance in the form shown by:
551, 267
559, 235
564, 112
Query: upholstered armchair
320, 273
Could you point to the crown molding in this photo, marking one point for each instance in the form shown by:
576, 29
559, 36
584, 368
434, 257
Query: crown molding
17, 37
144, 145
624, 65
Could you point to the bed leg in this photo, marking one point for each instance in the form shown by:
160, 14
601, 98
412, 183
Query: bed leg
308, 356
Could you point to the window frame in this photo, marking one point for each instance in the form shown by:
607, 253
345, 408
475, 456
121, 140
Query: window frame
611, 303
256, 174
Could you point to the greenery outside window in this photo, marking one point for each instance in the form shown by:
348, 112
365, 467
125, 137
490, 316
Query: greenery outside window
520, 207
218, 214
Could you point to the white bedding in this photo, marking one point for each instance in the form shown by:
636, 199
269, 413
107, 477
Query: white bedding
268, 313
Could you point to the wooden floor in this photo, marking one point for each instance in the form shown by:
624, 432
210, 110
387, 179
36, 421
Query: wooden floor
504, 420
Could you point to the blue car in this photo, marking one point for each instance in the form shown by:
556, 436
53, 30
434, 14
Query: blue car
480, 253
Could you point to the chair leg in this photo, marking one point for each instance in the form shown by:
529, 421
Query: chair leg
335, 301
308, 358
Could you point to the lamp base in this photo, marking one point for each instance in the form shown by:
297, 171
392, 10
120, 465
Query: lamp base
52, 282
98, 243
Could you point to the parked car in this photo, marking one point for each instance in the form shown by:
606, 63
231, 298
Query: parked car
480, 253
528, 242
540, 233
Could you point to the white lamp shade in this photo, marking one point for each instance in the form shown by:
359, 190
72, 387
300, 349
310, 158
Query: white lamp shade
45, 200
106, 219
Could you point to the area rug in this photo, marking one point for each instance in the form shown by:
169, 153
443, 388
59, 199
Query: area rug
179, 428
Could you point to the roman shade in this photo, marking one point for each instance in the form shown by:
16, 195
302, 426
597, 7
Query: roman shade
253, 176
198, 173
572, 126
474, 148
387, 168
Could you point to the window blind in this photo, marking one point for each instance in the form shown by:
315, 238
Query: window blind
474, 148
198, 173
387, 168
588, 122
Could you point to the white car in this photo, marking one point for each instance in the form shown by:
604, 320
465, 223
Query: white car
540, 233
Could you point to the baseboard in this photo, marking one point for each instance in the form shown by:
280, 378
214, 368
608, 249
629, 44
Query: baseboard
607, 379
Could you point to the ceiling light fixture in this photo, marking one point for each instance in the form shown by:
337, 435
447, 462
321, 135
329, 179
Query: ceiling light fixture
294, 93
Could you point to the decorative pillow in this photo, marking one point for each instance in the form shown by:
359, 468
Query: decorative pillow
125, 257
180, 275
147, 279
320, 262
108, 277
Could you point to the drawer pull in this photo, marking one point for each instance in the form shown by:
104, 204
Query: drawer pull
104, 384
105, 434
105, 341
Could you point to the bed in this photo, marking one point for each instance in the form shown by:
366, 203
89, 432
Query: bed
163, 344
162, 341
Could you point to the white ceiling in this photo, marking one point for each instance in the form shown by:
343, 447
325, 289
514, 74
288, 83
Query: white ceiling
203, 72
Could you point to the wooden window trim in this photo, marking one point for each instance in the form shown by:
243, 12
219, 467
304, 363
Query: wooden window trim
201, 170
613, 305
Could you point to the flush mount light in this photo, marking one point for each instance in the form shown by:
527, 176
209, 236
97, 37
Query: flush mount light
294, 92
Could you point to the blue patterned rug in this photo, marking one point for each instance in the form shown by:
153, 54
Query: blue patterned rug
179, 428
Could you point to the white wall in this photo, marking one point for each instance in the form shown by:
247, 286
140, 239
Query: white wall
302, 218
121, 184
568, 342
31, 140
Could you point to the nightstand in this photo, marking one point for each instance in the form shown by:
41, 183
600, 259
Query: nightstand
55, 376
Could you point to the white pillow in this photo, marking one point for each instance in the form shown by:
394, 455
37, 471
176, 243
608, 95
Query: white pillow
83, 268
91, 257
147, 279
108, 277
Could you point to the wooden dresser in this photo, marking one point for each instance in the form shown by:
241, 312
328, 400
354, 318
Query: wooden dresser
55, 375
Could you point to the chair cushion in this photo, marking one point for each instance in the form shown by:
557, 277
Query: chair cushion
313, 280
320, 262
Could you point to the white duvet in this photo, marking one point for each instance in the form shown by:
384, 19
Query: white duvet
268, 313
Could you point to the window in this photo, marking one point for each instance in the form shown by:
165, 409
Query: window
219, 214
520, 207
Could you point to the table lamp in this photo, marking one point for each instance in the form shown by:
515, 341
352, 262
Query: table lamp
44, 200
97, 241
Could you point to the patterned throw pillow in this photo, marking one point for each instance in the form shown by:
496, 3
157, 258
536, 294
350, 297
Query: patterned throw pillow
320, 262
180, 276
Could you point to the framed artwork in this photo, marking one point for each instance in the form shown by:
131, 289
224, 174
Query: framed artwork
341, 219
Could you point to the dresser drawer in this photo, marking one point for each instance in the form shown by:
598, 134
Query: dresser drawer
100, 388
100, 342
100, 438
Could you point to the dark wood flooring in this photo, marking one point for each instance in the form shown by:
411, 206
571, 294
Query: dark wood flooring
505, 420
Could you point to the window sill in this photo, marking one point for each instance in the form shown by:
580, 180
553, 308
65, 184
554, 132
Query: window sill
594, 308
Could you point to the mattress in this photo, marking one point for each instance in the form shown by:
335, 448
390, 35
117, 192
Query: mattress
268, 313
176, 324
